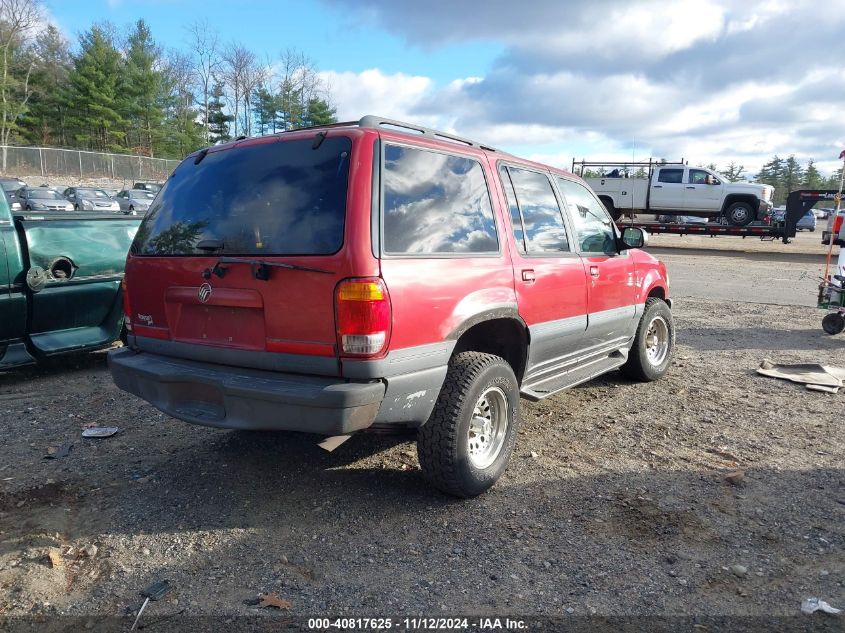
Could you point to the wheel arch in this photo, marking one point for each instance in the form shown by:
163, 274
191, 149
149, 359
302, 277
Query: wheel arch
748, 198
501, 332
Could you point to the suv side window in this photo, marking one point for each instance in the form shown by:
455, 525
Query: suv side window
516, 217
594, 229
436, 203
542, 221
671, 175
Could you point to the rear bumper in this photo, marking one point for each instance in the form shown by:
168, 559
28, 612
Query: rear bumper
233, 398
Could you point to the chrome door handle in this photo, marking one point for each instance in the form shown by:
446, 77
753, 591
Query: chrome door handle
594, 271
529, 276
690, 187
657, 186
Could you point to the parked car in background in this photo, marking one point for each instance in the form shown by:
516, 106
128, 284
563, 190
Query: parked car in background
90, 199
134, 200
807, 222
359, 276
10, 185
154, 187
823, 213
42, 199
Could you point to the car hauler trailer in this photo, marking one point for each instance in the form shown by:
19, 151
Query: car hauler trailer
797, 205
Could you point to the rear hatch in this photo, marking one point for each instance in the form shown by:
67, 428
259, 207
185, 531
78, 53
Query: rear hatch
237, 259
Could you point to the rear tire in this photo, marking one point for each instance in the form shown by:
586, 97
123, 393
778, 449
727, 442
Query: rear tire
739, 214
466, 444
654, 343
833, 323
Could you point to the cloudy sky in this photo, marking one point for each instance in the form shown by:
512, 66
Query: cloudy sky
706, 80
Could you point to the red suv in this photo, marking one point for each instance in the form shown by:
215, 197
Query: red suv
381, 274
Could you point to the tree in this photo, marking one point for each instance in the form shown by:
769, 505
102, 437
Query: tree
812, 177
182, 133
771, 172
143, 91
733, 172
218, 120
792, 176
17, 20
46, 121
265, 109
95, 83
319, 112
205, 51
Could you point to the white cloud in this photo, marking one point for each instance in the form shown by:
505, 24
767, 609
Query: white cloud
709, 80
374, 92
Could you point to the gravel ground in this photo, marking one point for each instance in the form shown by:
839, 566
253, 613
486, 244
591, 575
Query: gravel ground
711, 492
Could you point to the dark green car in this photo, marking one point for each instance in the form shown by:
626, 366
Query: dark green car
60, 276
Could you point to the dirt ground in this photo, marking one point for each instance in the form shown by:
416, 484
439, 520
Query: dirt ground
713, 492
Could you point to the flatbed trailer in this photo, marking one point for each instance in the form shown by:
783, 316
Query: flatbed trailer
797, 205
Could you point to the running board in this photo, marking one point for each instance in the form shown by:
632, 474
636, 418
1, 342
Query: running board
535, 391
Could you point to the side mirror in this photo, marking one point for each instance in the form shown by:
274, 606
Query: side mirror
633, 237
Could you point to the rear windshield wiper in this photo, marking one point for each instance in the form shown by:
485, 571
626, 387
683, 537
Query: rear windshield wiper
260, 268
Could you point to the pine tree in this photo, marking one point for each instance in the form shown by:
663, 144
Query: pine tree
143, 91
792, 176
733, 172
46, 121
265, 110
94, 85
319, 112
218, 120
812, 178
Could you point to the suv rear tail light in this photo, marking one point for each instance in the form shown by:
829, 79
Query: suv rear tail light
363, 316
127, 311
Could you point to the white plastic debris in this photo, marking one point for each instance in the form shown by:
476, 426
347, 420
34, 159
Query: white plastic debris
811, 605
100, 431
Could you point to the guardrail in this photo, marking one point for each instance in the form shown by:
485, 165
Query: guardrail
50, 161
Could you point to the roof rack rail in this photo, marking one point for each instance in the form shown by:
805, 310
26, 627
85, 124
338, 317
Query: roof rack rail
372, 121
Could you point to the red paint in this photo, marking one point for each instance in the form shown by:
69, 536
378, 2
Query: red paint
428, 298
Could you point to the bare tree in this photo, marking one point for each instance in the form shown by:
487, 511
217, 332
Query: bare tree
237, 60
205, 49
298, 84
18, 18
254, 76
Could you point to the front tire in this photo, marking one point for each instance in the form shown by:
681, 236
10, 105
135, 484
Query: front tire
654, 343
739, 214
466, 444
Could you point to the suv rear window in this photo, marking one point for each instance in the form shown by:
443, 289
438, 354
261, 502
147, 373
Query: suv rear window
277, 198
435, 203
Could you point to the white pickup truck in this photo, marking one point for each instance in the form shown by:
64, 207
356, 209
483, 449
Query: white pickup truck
677, 189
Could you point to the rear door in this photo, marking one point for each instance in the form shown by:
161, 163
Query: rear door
667, 188
238, 257
612, 287
548, 274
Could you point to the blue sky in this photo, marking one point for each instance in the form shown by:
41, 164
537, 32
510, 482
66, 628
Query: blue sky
333, 38
708, 80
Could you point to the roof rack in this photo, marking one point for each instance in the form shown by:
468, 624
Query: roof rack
372, 121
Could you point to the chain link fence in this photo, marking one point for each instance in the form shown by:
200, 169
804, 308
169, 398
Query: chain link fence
52, 162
